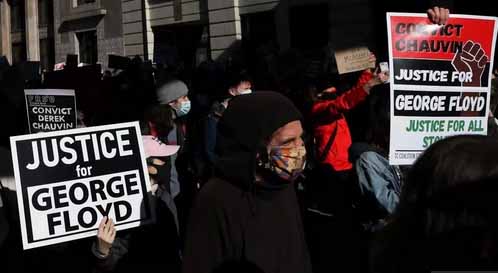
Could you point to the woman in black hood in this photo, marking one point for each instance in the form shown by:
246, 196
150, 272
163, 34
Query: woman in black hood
249, 211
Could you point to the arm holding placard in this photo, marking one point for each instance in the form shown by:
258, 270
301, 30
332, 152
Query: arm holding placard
352, 97
106, 236
109, 249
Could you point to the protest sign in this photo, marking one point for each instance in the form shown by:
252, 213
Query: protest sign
353, 59
440, 81
50, 109
67, 181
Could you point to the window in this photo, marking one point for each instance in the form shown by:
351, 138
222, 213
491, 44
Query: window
87, 43
84, 5
83, 2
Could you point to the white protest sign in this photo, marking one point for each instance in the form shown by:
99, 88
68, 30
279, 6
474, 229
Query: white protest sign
67, 181
440, 81
353, 59
50, 109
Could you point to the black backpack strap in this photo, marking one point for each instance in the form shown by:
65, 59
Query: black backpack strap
325, 152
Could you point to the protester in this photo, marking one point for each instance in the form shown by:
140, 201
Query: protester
238, 84
156, 127
446, 218
332, 135
8, 209
208, 86
240, 155
331, 131
174, 94
330, 208
249, 210
124, 252
379, 182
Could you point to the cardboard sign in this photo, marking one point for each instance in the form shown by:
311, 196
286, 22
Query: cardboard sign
352, 60
50, 109
67, 181
440, 81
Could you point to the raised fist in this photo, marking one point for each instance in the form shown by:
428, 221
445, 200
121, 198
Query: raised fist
471, 59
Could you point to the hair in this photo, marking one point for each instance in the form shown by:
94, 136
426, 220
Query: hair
461, 166
161, 118
236, 78
379, 117
446, 217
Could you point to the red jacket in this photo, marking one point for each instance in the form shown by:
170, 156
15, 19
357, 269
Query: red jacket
327, 116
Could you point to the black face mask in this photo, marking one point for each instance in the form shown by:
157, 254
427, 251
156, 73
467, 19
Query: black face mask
163, 175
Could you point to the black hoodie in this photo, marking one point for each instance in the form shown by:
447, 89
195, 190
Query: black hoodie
233, 218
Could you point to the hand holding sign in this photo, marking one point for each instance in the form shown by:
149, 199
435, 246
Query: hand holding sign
379, 77
372, 59
106, 236
438, 15
471, 59
354, 59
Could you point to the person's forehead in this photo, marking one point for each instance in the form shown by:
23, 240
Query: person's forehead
180, 98
291, 128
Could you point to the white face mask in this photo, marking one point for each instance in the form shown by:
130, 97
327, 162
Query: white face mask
245, 92
183, 109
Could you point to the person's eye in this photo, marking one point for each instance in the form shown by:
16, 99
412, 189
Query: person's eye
288, 142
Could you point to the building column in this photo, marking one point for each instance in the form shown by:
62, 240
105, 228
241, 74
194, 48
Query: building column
5, 41
148, 33
224, 26
137, 31
32, 31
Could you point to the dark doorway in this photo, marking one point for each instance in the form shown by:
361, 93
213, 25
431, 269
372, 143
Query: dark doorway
88, 46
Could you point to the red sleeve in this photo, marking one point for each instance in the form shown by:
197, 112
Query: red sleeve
346, 101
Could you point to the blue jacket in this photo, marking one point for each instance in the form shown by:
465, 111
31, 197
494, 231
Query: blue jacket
379, 180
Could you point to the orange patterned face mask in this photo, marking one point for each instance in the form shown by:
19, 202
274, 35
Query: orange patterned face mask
288, 162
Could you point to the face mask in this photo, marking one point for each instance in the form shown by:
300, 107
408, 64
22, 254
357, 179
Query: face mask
288, 162
183, 109
245, 92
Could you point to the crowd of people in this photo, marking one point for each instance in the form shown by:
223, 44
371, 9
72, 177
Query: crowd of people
272, 181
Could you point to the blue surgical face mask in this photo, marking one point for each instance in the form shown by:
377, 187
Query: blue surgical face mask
183, 109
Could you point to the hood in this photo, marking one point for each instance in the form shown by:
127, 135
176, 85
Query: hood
244, 129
